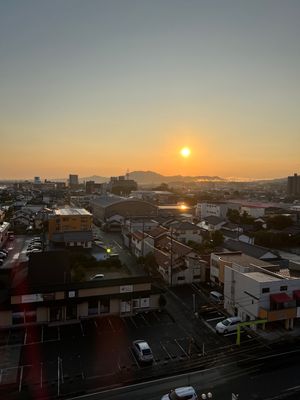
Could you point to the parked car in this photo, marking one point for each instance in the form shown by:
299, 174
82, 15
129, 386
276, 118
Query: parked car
2, 254
142, 351
1, 261
181, 393
216, 297
33, 251
4, 251
97, 277
228, 325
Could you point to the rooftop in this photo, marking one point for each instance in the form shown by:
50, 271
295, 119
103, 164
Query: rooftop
243, 259
71, 211
261, 277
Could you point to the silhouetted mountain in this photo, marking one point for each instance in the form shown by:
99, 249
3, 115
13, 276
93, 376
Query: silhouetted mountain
150, 177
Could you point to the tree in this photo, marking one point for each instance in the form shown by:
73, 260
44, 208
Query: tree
233, 216
217, 238
279, 222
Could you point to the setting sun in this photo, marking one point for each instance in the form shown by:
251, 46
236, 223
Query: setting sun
185, 152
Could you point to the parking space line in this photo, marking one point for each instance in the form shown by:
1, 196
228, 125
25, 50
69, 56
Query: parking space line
175, 340
146, 322
158, 319
21, 378
111, 325
95, 322
132, 320
131, 352
166, 351
82, 331
214, 319
230, 334
25, 336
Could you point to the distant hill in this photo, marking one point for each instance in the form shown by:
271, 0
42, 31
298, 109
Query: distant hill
150, 177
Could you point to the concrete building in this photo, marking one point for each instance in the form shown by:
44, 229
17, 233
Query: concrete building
121, 185
71, 226
155, 196
73, 181
253, 292
47, 294
111, 211
4, 229
186, 231
215, 209
293, 185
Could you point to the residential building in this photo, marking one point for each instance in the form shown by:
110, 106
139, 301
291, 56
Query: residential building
254, 292
155, 196
219, 260
71, 227
212, 223
178, 263
136, 224
293, 185
4, 229
186, 231
259, 252
215, 209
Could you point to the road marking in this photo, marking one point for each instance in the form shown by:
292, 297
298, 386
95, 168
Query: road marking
166, 351
132, 320
25, 336
96, 325
82, 331
175, 340
229, 334
214, 319
133, 356
146, 322
111, 325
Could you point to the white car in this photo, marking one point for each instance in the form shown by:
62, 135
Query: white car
181, 393
97, 277
142, 351
228, 325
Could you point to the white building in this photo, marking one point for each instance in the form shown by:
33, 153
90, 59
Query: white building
253, 292
215, 209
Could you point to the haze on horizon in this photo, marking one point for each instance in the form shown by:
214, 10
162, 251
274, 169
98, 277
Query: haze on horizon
101, 87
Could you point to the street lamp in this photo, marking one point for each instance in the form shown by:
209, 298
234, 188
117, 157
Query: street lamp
205, 396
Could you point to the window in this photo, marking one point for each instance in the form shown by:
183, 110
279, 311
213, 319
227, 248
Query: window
196, 276
136, 303
93, 307
180, 278
282, 288
265, 290
145, 302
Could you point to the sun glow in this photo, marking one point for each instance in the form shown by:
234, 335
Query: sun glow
185, 152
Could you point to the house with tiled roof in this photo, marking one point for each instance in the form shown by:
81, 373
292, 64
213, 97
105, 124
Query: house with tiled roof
178, 263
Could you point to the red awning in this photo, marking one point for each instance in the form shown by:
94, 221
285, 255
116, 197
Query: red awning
296, 294
280, 298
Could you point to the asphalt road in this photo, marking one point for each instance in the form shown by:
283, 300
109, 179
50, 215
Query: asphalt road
271, 378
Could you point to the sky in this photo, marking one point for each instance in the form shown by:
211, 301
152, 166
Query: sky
101, 87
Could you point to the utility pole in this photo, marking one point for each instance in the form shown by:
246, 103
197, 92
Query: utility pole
171, 258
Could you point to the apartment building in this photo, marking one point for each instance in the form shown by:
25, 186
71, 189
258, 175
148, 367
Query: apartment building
271, 294
71, 226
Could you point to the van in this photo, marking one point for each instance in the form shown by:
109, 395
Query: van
228, 325
216, 297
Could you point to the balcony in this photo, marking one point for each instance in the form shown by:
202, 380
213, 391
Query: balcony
277, 315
